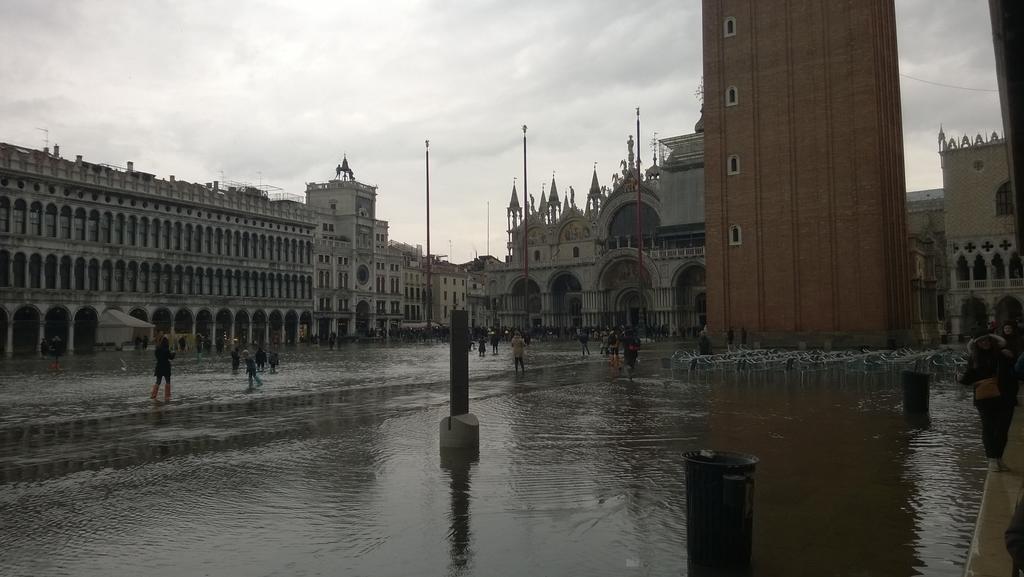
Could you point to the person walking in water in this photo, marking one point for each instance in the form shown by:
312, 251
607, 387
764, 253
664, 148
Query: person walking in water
235, 360
164, 355
584, 339
250, 370
518, 348
631, 351
482, 344
261, 358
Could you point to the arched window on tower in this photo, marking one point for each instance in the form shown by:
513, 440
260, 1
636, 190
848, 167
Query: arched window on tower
730, 27
575, 252
735, 235
732, 96
1004, 200
733, 164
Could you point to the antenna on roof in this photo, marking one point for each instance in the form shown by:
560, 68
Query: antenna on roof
46, 137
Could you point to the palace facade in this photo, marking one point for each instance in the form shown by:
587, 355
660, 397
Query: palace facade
78, 239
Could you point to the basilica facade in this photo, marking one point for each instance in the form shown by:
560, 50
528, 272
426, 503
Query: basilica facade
584, 266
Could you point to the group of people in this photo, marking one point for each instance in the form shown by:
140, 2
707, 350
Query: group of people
254, 364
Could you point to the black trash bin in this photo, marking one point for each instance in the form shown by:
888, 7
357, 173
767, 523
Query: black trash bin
915, 392
719, 508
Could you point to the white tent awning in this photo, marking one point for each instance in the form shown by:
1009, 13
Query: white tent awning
116, 318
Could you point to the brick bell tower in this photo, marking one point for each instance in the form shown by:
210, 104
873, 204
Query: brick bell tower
805, 190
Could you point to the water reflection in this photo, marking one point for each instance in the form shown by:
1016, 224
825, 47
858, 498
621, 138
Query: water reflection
331, 470
457, 463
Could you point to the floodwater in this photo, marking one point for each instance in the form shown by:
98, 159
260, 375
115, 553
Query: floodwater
333, 468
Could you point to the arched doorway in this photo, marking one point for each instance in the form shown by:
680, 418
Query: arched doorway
630, 309
530, 291
162, 323
625, 283
691, 305
58, 321
224, 326
974, 315
566, 305
86, 322
362, 318
1008, 309
183, 322
26, 330
259, 327
291, 327
305, 326
140, 314
242, 327
276, 328
203, 321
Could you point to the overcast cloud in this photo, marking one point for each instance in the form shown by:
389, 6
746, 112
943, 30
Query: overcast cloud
277, 91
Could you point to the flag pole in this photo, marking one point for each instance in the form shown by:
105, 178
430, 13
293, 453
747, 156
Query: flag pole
430, 286
526, 243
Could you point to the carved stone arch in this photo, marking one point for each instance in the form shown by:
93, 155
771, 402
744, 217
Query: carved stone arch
614, 203
611, 257
685, 269
574, 229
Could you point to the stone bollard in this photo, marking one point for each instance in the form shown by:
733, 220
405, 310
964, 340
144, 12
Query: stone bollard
915, 392
461, 429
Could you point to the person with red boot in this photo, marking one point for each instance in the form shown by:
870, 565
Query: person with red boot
164, 355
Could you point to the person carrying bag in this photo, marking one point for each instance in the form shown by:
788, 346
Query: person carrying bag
990, 375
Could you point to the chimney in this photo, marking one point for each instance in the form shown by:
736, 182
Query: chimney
46, 149
131, 166
172, 178
78, 158
56, 150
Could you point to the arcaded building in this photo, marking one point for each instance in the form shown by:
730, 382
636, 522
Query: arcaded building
806, 231
985, 269
79, 239
584, 264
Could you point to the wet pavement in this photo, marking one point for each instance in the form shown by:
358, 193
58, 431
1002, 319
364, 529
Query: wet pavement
333, 467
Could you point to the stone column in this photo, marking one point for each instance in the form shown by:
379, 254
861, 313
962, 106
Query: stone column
266, 332
231, 333
9, 338
70, 349
42, 334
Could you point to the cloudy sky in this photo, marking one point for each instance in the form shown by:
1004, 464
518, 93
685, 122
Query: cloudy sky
276, 92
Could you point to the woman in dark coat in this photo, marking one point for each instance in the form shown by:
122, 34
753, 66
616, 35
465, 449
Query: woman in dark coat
991, 361
163, 355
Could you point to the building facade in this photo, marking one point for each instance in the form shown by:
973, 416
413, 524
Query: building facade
805, 191
584, 265
78, 239
359, 276
986, 275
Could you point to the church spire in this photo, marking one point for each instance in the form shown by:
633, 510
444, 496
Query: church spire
514, 202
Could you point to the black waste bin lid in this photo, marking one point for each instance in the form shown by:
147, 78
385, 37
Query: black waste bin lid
721, 458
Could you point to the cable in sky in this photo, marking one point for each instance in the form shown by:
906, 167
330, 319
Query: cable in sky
948, 85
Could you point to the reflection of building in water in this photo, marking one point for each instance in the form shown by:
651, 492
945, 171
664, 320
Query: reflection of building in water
80, 239
583, 264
